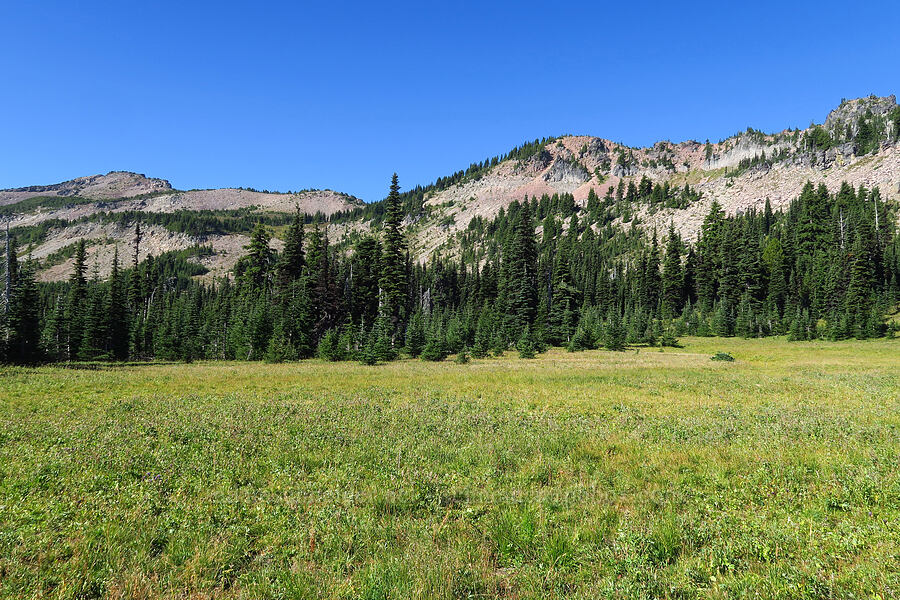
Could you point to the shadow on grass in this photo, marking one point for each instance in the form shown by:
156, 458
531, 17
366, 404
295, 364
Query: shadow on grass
103, 366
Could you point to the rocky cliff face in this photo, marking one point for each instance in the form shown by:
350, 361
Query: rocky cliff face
844, 120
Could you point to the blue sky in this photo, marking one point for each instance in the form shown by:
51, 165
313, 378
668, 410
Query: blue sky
292, 95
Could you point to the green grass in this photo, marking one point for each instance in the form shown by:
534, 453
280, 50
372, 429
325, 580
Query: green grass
589, 475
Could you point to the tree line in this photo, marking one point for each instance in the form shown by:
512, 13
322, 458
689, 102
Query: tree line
543, 272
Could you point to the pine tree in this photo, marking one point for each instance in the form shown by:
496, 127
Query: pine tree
24, 319
292, 259
94, 333
526, 344
384, 348
280, 348
520, 273
672, 277
708, 270
614, 331
563, 317
75, 305
259, 260
434, 349
859, 291
773, 258
364, 280
368, 353
415, 335
394, 286
329, 346
652, 279
483, 332
116, 315
462, 357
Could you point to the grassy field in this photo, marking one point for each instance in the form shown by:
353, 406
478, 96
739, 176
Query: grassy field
590, 475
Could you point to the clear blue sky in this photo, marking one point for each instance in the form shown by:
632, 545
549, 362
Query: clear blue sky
290, 95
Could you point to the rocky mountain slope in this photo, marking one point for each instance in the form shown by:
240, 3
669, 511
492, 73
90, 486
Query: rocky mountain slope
780, 164
857, 142
75, 209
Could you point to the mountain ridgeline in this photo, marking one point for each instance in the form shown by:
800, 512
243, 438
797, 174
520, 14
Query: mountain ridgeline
572, 241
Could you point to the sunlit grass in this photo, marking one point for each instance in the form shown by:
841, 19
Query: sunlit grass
596, 474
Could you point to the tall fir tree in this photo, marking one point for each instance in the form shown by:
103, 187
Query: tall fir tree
76, 302
672, 276
394, 285
24, 318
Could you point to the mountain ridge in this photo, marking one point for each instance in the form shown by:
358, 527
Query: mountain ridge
857, 143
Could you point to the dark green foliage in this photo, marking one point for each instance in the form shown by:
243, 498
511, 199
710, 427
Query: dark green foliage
75, 305
116, 311
393, 269
614, 332
23, 345
526, 345
435, 343
462, 357
329, 346
434, 349
826, 266
519, 274
292, 260
415, 335
722, 356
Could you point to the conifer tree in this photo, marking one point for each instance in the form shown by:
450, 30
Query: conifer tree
672, 277
292, 259
75, 306
415, 335
520, 274
526, 344
859, 291
435, 349
709, 256
364, 280
614, 331
483, 332
394, 286
259, 260
24, 319
116, 315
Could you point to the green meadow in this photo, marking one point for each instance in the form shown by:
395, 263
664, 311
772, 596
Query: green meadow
638, 474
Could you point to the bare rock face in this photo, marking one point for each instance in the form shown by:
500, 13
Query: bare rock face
846, 116
565, 171
624, 170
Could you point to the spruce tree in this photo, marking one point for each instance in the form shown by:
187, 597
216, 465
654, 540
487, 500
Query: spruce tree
708, 270
24, 319
75, 304
116, 313
394, 286
672, 277
520, 273
859, 291
483, 332
526, 344
292, 259
365, 268
259, 260
415, 335
614, 331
